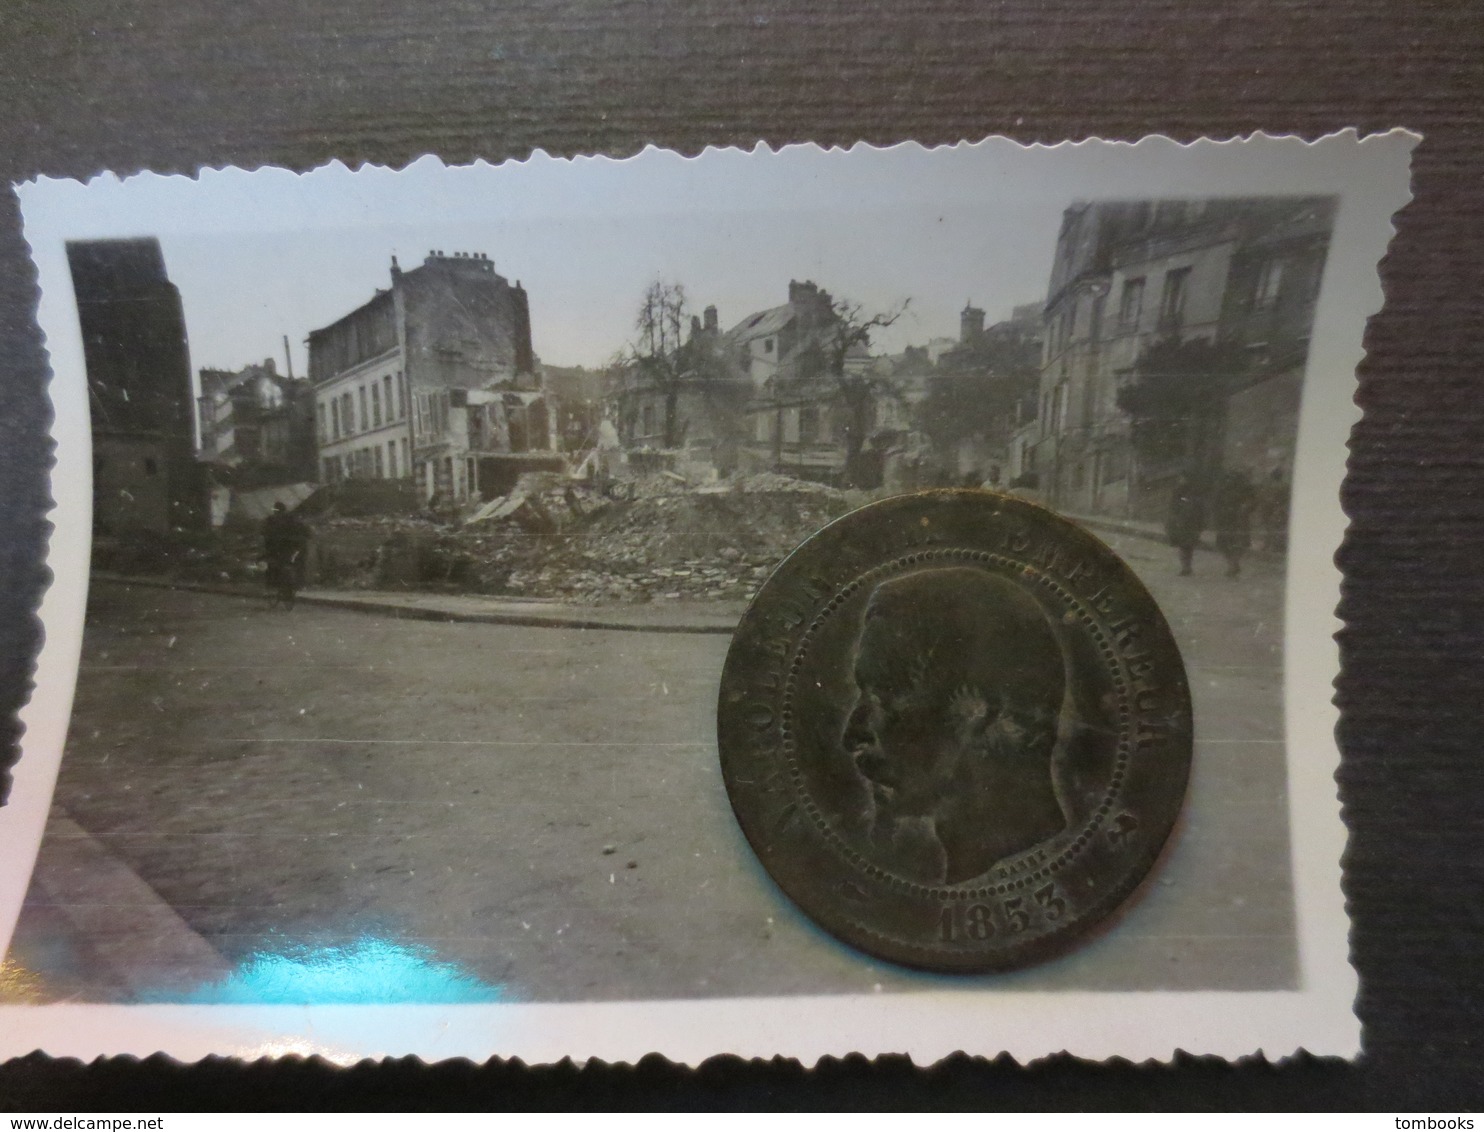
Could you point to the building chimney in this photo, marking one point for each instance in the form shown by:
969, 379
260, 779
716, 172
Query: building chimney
970, 323
711, 325
801, 293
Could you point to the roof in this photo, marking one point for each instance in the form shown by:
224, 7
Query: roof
761, 324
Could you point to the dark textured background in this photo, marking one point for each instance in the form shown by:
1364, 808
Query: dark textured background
173, 86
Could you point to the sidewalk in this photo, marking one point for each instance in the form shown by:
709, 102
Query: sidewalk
1141, 529
652, 617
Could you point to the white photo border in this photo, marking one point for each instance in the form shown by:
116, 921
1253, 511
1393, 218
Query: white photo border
1369, 175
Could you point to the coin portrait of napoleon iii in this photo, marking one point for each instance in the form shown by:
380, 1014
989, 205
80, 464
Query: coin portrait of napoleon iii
960, 682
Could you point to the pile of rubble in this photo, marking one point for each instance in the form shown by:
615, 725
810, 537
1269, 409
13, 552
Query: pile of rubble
641, 540
670, 541
650, 539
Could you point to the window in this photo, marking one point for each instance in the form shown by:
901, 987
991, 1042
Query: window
335, 417
380, 466
1095, 317
1269, 280
401, 395
809, 424
1172, 299
648, 417
767, 345
406, 458
790, 426
391, 456
1131, 303
323, 430
362, 392
376, 405
1059, 399
391, 413
348, 413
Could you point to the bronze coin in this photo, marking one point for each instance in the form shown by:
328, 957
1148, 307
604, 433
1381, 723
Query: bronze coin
955, 729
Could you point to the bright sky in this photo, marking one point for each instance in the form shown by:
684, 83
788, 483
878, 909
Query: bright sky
586, 275
265, 254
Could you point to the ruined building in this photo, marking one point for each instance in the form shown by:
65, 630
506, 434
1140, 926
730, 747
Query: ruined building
1175, 339
790, 389
257, 426
145, 477
433, 380
816, 406
709, 391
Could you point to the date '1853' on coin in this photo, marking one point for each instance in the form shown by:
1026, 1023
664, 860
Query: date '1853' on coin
956, 730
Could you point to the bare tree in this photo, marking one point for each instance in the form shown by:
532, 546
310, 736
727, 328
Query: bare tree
658, 354
857, 394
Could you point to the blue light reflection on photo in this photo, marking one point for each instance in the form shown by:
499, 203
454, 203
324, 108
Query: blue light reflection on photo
370, 971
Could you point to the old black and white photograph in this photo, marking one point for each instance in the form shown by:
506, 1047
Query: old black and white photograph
424, 506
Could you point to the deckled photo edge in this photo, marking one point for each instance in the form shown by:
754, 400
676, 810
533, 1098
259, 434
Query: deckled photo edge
63, 616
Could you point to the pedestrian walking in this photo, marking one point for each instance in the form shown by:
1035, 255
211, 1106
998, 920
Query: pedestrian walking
1231, 518
285, 545
1186, 519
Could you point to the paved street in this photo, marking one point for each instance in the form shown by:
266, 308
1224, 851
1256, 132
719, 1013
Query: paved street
541, 808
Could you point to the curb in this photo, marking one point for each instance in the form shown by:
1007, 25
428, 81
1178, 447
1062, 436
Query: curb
417, 613
1137, 530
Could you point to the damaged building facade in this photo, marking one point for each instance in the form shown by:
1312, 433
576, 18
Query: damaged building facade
1175, 338
145, 475
257, 426
798, 421
703, 400
791, 389
433, 381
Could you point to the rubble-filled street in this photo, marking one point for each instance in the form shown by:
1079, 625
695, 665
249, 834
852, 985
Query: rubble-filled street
659, 538
540, 810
